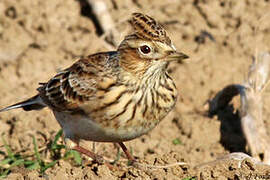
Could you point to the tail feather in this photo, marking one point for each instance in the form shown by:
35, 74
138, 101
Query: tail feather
34, 103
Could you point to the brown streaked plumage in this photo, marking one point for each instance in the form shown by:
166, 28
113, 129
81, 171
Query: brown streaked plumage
113, 96
147, 28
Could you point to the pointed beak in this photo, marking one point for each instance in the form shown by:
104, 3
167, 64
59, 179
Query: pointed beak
176, 56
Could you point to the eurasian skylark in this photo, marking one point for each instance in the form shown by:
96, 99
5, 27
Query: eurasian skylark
113, 96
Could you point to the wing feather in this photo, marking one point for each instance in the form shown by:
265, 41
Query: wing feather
78, 84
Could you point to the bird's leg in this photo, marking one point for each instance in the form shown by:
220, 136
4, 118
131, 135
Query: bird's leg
75, 146
99, 159
129, 156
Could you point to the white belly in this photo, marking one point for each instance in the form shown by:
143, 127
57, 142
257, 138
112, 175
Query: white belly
81, 127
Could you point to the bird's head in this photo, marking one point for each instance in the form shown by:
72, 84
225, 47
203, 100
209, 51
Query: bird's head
148, 49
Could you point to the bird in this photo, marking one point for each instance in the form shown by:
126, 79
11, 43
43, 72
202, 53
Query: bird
113, 96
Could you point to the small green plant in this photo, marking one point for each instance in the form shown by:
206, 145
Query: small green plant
75, 155
35, 162
189, 178
176, 141
10, 161
56, 148
40, 164
69, 154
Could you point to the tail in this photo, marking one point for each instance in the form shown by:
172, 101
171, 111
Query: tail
34, 103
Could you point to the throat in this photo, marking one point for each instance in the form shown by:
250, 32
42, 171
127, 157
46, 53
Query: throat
156, 73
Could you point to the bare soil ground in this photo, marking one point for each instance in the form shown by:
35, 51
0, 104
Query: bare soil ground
37, 38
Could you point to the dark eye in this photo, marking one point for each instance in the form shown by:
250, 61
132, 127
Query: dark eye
145, 49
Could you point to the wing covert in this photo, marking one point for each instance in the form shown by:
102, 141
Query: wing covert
76, 85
